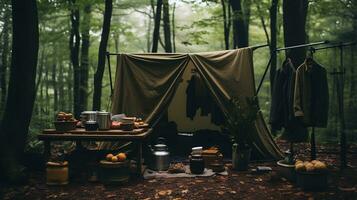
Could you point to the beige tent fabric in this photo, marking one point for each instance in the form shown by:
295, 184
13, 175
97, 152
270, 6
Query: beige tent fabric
146, 83
231, 74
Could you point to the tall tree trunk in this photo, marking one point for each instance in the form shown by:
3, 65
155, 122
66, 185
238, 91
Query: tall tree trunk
98, 77
173, 28
70, 88
156, 33
352, 92
273, 41
167, 28
116, 37
21, 93
4, 56
353, 61
61, 87
226, 28
74, 44
38, 83
241, 15
83, 88
47, 80
54, 85
148, 36
294, 19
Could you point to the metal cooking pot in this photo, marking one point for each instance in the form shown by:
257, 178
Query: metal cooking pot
104, 120
160, 156
88, 116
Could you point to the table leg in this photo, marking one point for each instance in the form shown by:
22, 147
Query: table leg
139, 158
47, 150
79, 146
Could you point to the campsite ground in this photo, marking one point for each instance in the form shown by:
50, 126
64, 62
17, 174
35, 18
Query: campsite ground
237, 185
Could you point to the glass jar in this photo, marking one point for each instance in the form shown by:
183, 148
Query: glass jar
197, 164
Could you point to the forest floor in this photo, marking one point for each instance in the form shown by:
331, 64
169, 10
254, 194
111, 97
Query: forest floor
237, 185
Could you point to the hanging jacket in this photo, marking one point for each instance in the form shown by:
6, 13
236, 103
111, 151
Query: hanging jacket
198, 96
281, 111
191, 104
311, 98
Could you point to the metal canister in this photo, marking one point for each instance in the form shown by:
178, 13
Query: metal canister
197, 164
104, 120
88, 116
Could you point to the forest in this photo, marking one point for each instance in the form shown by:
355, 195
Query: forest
54, 56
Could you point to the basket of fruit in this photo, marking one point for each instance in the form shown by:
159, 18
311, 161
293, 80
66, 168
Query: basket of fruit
65, 122
311, 175
114, 169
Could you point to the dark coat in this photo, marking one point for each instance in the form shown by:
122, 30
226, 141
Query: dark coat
311, 98
282, 112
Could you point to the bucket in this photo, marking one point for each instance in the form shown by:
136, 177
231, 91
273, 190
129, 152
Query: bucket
114, 172
57, 173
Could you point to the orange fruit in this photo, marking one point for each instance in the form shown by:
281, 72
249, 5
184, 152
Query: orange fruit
114, 159
109, 157
121, 157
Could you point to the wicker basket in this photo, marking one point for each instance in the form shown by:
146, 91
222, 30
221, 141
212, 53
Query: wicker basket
114, 172
65, 125
312, 180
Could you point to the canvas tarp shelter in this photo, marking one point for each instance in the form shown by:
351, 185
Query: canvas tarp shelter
146, 83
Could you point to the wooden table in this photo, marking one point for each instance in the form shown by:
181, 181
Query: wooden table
78, 135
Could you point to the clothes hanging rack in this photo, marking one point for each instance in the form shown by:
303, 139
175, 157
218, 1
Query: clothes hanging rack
340, 88
283, 49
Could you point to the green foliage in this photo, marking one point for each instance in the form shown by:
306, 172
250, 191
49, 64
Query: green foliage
241, 117
199, 27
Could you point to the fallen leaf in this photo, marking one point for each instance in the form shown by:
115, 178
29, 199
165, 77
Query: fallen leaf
261, 187
258, 179
299, 193
153, 181
233, 192
199, 181
111, 195
184, 191
164, 192
241, 182
52, 196
221, 193
147, 198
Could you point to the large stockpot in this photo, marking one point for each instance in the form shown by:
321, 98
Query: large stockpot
104, 120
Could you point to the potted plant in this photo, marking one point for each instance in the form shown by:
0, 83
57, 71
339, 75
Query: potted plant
242, 115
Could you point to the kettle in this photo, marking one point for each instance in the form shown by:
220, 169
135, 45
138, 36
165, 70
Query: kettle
160, 158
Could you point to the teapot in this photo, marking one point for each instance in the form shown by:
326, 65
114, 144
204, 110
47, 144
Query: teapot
160, 158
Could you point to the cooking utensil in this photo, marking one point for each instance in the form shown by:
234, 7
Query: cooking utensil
104, 120
91, 126
88, 116
160, 156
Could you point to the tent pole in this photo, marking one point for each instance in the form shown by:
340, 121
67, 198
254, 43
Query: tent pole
258, 46
110, 74
263, 77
